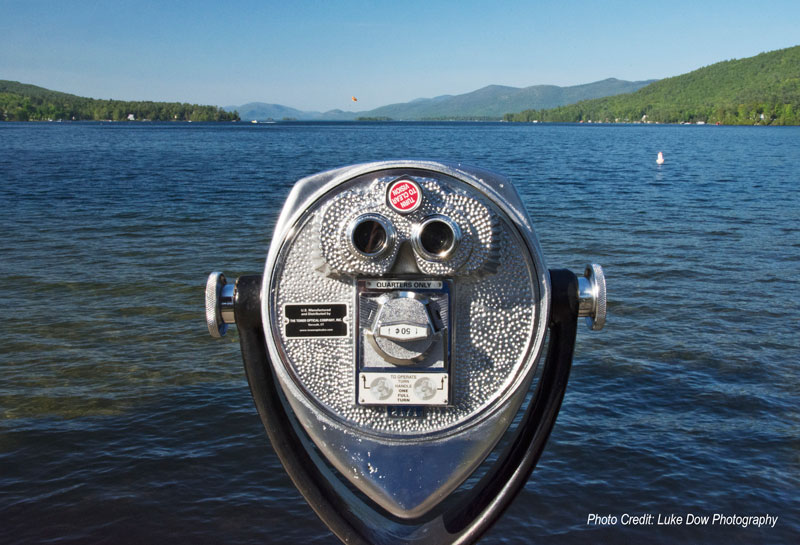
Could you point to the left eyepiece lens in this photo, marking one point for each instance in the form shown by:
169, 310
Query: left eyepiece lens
370, 235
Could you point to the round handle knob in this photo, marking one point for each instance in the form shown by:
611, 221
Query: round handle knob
592, 296
219, 304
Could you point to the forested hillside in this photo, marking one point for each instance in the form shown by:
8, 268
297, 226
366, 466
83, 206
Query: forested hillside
23, 102
762, 90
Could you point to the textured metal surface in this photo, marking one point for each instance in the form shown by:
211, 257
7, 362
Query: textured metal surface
475, 250
495, 307
408, 459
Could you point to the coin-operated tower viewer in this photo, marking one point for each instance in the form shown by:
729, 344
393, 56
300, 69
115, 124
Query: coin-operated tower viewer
392, 347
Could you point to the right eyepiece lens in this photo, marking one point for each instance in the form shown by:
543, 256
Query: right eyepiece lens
437, 237
369, 237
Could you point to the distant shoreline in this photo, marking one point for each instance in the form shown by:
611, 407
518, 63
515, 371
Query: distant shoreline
378, 122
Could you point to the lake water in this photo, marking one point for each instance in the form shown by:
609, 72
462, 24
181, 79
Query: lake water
122, 421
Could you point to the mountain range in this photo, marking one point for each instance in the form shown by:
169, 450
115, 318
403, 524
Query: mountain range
759, 90
489, 102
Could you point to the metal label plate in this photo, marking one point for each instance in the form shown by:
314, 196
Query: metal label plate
403, 284
403, 388
315, 320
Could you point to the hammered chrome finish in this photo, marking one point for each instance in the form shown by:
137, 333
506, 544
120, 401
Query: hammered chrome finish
476, 226
494, 316
408, 463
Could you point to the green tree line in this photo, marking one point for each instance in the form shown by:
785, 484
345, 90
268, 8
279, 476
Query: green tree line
760, 90
23, 102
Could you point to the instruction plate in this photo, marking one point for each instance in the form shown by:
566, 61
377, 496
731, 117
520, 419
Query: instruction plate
403, 388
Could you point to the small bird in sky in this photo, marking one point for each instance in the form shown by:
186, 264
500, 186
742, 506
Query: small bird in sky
354, 99
660, 159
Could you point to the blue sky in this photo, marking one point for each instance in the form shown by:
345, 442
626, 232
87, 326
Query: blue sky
316, 55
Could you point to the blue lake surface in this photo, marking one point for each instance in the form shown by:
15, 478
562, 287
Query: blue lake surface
122, 421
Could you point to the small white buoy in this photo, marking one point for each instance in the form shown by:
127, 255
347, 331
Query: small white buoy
660, 159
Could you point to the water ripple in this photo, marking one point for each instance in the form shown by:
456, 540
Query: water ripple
121, 421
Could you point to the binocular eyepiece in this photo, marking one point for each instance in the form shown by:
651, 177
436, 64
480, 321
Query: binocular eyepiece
371, 235
434, 239
401, 315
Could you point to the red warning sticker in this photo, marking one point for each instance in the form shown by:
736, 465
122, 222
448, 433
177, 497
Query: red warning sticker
404, 196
